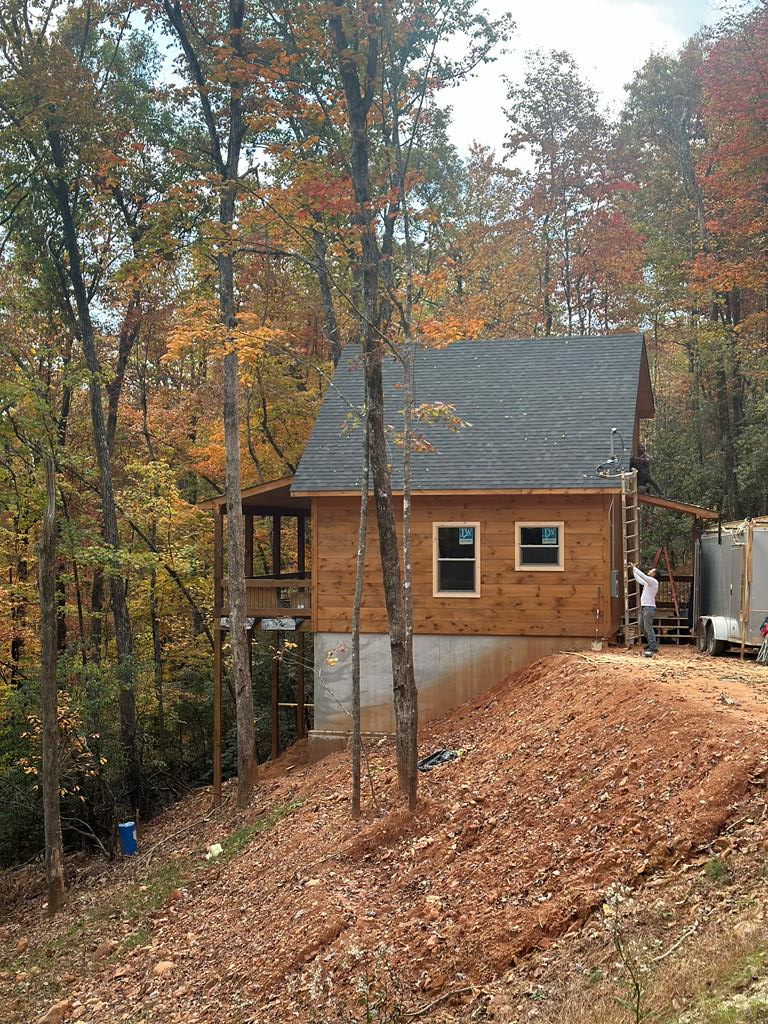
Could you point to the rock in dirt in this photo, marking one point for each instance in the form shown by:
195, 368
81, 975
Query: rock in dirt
21, 946
56, 1014
163, 967
104, 949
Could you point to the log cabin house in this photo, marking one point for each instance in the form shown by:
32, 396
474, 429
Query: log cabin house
521, 524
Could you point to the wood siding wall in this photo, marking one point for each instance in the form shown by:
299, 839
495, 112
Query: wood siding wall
510, 604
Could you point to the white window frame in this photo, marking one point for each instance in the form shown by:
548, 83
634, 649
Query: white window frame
435, 551
520, 566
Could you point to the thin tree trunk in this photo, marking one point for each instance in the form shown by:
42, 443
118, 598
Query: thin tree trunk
241, 667
123, 638
228, 170
154, 619
19, 608
358, 103
157, 657
547, 279
54, 854
409, 738
362, 532
332, 332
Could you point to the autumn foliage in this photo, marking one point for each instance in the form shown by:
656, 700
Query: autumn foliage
654, 220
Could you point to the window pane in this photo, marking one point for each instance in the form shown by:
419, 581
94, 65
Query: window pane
539, 556
545, 535
456, 541
456, 576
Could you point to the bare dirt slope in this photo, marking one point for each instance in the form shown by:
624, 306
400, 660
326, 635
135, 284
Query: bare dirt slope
581, 771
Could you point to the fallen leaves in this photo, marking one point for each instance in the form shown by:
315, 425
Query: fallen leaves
571, 779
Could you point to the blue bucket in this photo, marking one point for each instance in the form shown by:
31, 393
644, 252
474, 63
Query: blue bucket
128, 841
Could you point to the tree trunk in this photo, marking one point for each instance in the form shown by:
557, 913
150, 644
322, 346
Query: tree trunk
332, 332
358, 103
409, 753
54, 854
362, 532
246, 763
228, 170
241, 661
123, 638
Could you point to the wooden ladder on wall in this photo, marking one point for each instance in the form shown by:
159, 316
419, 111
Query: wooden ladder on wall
630, 542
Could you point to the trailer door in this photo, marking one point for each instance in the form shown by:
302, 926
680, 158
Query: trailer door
736, 578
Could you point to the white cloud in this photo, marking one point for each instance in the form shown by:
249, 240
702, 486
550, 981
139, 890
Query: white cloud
610, 40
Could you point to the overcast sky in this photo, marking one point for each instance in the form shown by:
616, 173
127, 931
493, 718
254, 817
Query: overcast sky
610, 39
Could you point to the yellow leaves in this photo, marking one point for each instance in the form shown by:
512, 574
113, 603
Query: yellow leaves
251, 337
198, 327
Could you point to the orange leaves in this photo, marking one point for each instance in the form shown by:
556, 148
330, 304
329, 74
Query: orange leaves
733, 166
198, 327
455, 326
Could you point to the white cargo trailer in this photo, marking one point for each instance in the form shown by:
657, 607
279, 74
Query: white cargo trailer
733, 575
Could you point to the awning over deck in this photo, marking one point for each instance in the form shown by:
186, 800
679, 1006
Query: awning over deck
270, 498
695, 511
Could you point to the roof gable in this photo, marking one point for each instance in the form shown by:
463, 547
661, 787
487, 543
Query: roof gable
540, 414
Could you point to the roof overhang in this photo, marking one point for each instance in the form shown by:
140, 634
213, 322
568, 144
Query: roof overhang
696, 511
465, 492
264, 499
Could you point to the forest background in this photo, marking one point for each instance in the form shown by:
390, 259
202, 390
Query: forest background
111, 237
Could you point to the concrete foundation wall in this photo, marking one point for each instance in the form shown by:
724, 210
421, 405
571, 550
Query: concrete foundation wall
449, 671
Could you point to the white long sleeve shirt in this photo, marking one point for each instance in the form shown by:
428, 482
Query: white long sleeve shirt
650, 588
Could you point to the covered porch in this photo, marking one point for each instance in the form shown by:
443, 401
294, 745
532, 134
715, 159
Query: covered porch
276, 533
679, 595
277, 543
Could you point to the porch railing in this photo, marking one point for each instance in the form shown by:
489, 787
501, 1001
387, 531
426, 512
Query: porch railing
270, 597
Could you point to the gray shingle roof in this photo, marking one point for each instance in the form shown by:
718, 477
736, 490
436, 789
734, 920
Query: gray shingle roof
541, 412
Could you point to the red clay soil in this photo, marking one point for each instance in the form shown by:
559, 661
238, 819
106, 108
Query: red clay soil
579, 772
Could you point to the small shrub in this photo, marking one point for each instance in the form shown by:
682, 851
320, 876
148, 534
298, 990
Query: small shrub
717, 871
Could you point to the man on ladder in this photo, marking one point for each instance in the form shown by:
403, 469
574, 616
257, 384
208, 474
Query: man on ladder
650, 587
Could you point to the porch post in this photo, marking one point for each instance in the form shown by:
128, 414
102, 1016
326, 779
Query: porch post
300, 686
248, 522
275, 695
301, 540
276, 554
218, 553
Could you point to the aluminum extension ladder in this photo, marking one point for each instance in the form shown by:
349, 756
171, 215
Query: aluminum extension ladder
630, 542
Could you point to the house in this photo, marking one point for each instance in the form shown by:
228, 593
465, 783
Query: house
521, 523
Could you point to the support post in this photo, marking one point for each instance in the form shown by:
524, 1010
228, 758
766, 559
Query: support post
248, 522
218, 667
275, 695
301, 540
276, 554
300, 730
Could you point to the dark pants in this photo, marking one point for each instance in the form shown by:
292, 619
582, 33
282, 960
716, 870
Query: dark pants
646, 624
646, 483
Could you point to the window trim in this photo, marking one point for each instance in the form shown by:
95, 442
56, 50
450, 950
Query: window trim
435, 549
524, 567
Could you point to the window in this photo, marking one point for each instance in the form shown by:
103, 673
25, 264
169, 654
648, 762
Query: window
456, 560
539, 547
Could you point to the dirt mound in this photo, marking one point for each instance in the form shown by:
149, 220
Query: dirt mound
578, 772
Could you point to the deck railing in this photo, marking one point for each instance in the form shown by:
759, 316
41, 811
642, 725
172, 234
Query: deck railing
270, 597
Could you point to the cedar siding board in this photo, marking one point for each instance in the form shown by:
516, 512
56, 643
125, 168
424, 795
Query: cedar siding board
511, 603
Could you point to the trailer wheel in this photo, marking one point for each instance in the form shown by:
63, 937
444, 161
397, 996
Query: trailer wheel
701, 636
714, 647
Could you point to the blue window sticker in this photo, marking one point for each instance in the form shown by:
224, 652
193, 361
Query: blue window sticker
466, 535
549, 535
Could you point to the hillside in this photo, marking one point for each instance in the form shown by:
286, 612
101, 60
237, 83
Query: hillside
578, 773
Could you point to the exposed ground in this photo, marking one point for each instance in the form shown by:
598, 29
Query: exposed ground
579, 773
